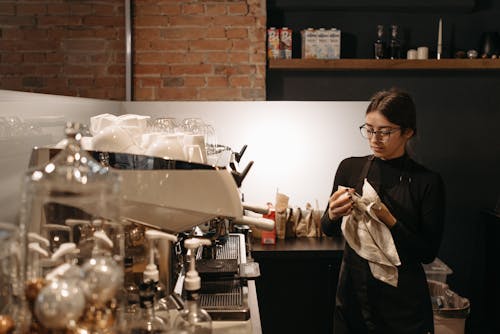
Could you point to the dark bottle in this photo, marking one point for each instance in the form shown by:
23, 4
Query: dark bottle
395, 44
379, 45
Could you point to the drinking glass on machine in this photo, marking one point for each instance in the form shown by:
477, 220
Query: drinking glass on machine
210, 139
165, 124
193, 125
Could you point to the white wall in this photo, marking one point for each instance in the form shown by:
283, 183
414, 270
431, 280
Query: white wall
296, 146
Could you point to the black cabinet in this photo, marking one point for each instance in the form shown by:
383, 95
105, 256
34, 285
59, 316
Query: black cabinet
296, 290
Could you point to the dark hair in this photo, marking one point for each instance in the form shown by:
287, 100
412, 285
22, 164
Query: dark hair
397, 106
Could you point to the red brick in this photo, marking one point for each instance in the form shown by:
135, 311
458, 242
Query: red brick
144, 94
240, 44
183, 33
34, 57
223, 94
115, 9
217, 81
91, 45
57, 82
255, 94
216, 32
81, 9
151, 21
151, 70
116, 69
54, 57
151, 82
234, 21
141, 8
170, 45
7, 9
146, 33
217, 57
237, 33
189, 9
11, 58
240, 8
30, 9
14, 83
239, 57
239, 81
34, 34
176, 58
76, 58
58, 8
173, 9
194, 57
111, 21
202, 21
210, 45
194, 81
12, 34
101, 58
177, 93
78, 33
18, 21
216, 9
173, 82
37, 45
109, 33
103, 82
191, 69
150, 57
81, 82
59, 21
84, 70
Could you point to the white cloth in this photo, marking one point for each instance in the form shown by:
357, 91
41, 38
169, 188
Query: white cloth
370, 238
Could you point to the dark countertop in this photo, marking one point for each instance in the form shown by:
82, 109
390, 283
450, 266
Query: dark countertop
300, 247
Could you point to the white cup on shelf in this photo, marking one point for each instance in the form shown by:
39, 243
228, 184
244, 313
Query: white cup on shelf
423, 52
412, 54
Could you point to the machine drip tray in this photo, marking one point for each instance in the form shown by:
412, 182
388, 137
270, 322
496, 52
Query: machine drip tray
224, 300
223, 294
217, 268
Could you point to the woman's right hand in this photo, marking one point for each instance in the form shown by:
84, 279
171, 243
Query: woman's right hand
340, 203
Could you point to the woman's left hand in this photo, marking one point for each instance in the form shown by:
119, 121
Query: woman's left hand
385, 216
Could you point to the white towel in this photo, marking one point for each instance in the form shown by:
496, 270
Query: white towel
370, 238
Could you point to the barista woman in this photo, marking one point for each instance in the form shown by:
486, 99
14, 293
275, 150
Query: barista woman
413, 210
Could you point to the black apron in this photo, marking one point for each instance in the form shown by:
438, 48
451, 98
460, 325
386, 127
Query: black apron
367, 305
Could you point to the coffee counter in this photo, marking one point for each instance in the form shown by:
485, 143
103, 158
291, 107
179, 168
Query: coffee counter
302, 247
296, 289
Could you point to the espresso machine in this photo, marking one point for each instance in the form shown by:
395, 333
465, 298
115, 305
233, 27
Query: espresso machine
189, 200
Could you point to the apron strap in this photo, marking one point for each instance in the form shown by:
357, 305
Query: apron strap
364, 173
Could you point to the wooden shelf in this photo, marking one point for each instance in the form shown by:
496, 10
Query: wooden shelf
383, 64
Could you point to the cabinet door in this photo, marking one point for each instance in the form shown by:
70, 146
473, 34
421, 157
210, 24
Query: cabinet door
297, 295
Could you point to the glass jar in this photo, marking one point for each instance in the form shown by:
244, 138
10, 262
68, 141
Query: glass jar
72, 199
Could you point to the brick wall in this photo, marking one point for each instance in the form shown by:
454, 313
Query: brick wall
183, 50
73, 48
199, 50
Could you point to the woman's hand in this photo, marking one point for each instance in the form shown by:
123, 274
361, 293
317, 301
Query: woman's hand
384, 215
340, 203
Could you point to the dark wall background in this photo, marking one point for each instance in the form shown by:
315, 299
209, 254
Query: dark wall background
458, 118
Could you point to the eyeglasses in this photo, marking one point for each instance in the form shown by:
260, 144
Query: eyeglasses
383, 135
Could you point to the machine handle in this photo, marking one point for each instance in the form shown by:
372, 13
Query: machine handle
238, 155
256, 208
262, 223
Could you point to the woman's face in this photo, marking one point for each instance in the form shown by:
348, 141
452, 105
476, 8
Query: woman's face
388, 142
